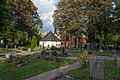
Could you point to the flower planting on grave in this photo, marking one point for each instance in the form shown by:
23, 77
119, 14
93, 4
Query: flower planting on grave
84, 58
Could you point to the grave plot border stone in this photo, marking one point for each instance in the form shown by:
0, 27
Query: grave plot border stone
97, 68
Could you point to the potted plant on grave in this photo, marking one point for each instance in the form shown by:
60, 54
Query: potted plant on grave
84, 58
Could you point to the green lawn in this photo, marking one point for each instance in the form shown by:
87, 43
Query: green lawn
106, 53
36, 66
111, 71
74, 53
103, 53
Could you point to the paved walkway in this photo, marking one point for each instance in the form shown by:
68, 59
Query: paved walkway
53, 73
73, 58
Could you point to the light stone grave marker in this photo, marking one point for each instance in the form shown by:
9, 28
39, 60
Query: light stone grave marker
97, 68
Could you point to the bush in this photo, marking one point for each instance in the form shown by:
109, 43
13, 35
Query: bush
84, 58
90, 52
33, 42
53, 48
25, 49
54, 53
8, 61
37, 48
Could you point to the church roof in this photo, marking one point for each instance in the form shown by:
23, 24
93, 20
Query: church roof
50, 37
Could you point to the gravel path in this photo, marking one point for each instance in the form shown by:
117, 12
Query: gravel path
53, 73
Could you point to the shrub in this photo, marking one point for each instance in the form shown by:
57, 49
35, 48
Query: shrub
90, 52
84, 58
24, 48
37, 48
33, 42
54, 53
53, 48
8, 61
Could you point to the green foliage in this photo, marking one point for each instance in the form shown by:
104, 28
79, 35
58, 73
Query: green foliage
33, 42
54, 53
16, 21
6, 24
37, 48
89, 17
25, 49
84, 58
53, 48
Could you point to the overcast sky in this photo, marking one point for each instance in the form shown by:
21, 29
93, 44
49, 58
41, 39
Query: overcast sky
46, 9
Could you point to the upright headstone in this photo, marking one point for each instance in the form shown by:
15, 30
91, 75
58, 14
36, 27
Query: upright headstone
114, 53
88, 46
21, 48
63, 50
118, 61
92, 46
101, 50
96, 68
29, 49
6, 47
15, 47
8, 56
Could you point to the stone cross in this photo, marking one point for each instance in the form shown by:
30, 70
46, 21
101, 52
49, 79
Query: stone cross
118, 61
96, 68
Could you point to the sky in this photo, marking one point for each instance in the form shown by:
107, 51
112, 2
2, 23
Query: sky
45, 10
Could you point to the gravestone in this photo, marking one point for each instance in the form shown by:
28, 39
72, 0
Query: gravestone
114, 53
21, 48
96, 68
92, 46
101, 50
118, 61
62, 50
15, 47
88, 46
6, 47
29, 49
8, 56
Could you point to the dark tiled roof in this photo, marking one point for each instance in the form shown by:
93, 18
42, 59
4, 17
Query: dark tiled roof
50, 37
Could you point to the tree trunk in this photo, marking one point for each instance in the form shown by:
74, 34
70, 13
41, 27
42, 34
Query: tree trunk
105, 39
100, 46
75, 42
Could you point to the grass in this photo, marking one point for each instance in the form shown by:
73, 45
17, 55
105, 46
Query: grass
111, 71
106, 53
103, 54
36, 66
74, 53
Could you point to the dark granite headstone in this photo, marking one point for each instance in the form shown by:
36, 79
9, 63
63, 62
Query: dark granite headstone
114, 53
88, 46
118, 61
97, 68
62, 50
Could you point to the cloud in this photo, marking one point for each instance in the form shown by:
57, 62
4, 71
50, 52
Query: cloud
46, 9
